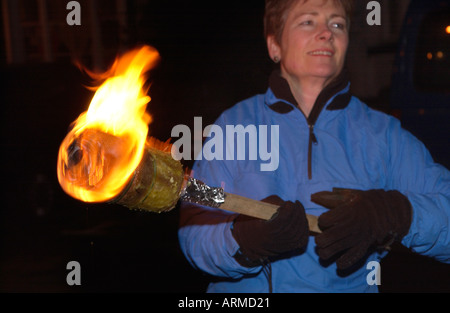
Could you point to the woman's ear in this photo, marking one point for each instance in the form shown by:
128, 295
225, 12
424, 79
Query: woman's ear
273, 48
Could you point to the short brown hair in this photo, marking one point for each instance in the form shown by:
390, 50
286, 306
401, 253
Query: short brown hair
276, 12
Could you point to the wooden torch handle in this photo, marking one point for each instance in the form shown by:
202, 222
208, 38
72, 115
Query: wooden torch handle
259, 209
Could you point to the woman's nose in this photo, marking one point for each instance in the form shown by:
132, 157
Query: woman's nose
325, 33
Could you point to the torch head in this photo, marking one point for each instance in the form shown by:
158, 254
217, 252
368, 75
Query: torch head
89, 164
156, 185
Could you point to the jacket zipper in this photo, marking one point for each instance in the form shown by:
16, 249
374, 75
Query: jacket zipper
312, 140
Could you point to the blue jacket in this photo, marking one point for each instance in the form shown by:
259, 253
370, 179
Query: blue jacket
343, 143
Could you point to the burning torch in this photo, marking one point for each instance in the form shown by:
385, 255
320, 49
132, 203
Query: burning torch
108, 157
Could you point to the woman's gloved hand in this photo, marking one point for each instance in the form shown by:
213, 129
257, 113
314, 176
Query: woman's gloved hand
359, 221
258, 239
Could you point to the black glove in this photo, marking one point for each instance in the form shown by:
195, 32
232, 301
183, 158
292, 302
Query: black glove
258, 239
359, 221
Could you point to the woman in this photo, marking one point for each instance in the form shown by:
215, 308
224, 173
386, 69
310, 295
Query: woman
385, 185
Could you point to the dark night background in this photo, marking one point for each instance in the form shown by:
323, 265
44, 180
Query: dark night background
213, 55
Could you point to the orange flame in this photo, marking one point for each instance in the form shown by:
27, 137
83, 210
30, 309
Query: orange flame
105, 146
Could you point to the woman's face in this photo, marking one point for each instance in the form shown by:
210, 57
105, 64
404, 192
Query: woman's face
314, 41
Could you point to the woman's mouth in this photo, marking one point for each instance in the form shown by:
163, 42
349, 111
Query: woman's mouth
327, 53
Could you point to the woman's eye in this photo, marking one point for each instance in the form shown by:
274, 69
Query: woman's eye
306, 23
338, 25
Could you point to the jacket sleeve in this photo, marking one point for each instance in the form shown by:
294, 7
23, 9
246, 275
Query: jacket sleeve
427, 186
205, 233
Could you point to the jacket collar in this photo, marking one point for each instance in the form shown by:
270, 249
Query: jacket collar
287, 103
